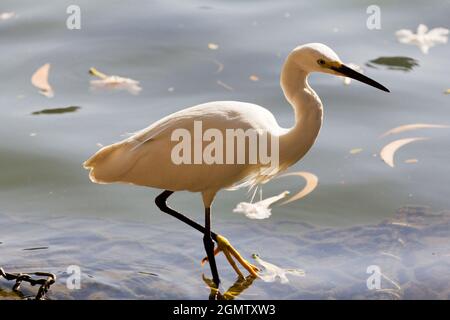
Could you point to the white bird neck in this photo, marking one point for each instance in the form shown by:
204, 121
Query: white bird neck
297, 141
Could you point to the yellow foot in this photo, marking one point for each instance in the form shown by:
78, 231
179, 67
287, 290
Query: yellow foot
223, 245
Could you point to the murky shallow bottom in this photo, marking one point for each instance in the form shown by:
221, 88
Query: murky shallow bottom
123, 260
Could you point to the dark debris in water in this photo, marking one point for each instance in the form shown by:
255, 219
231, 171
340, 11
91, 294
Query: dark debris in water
35, 248
57, 110
394, 63
148, 273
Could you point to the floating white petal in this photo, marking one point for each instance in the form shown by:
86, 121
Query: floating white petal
213, 46
414, 126
7, 15
424, 39
114, 82
271, 272
388, 151
260, 209
311, 183
40, 80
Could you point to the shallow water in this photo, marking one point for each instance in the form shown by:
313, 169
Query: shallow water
164, 44
135, 261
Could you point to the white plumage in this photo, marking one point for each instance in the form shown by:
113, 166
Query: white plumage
146, 157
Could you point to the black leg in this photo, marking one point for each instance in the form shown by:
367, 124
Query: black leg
161, 202
209, 247
208, 236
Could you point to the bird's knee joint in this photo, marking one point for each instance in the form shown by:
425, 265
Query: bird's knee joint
208, 242
161, 200
160, 203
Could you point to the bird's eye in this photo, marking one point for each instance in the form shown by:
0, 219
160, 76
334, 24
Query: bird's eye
321, 62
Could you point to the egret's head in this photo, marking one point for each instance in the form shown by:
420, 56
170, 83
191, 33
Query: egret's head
317, 57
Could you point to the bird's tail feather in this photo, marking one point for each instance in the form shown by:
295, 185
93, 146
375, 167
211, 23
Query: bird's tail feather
110, 163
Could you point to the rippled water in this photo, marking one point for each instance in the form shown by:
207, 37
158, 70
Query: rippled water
135, 261
164, 44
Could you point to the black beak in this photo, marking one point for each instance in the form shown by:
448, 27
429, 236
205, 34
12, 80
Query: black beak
348, 72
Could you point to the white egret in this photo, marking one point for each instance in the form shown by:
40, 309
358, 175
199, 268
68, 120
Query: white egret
145, 158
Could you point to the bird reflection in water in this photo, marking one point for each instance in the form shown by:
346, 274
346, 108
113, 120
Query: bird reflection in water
239, 286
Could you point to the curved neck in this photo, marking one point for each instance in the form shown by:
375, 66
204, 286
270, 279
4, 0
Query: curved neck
297, 141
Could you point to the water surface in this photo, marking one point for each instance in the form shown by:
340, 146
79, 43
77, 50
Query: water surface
164, 45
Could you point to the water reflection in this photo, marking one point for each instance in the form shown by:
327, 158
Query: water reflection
165, 47
123, 260
394, 63
56, 110
239, 286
